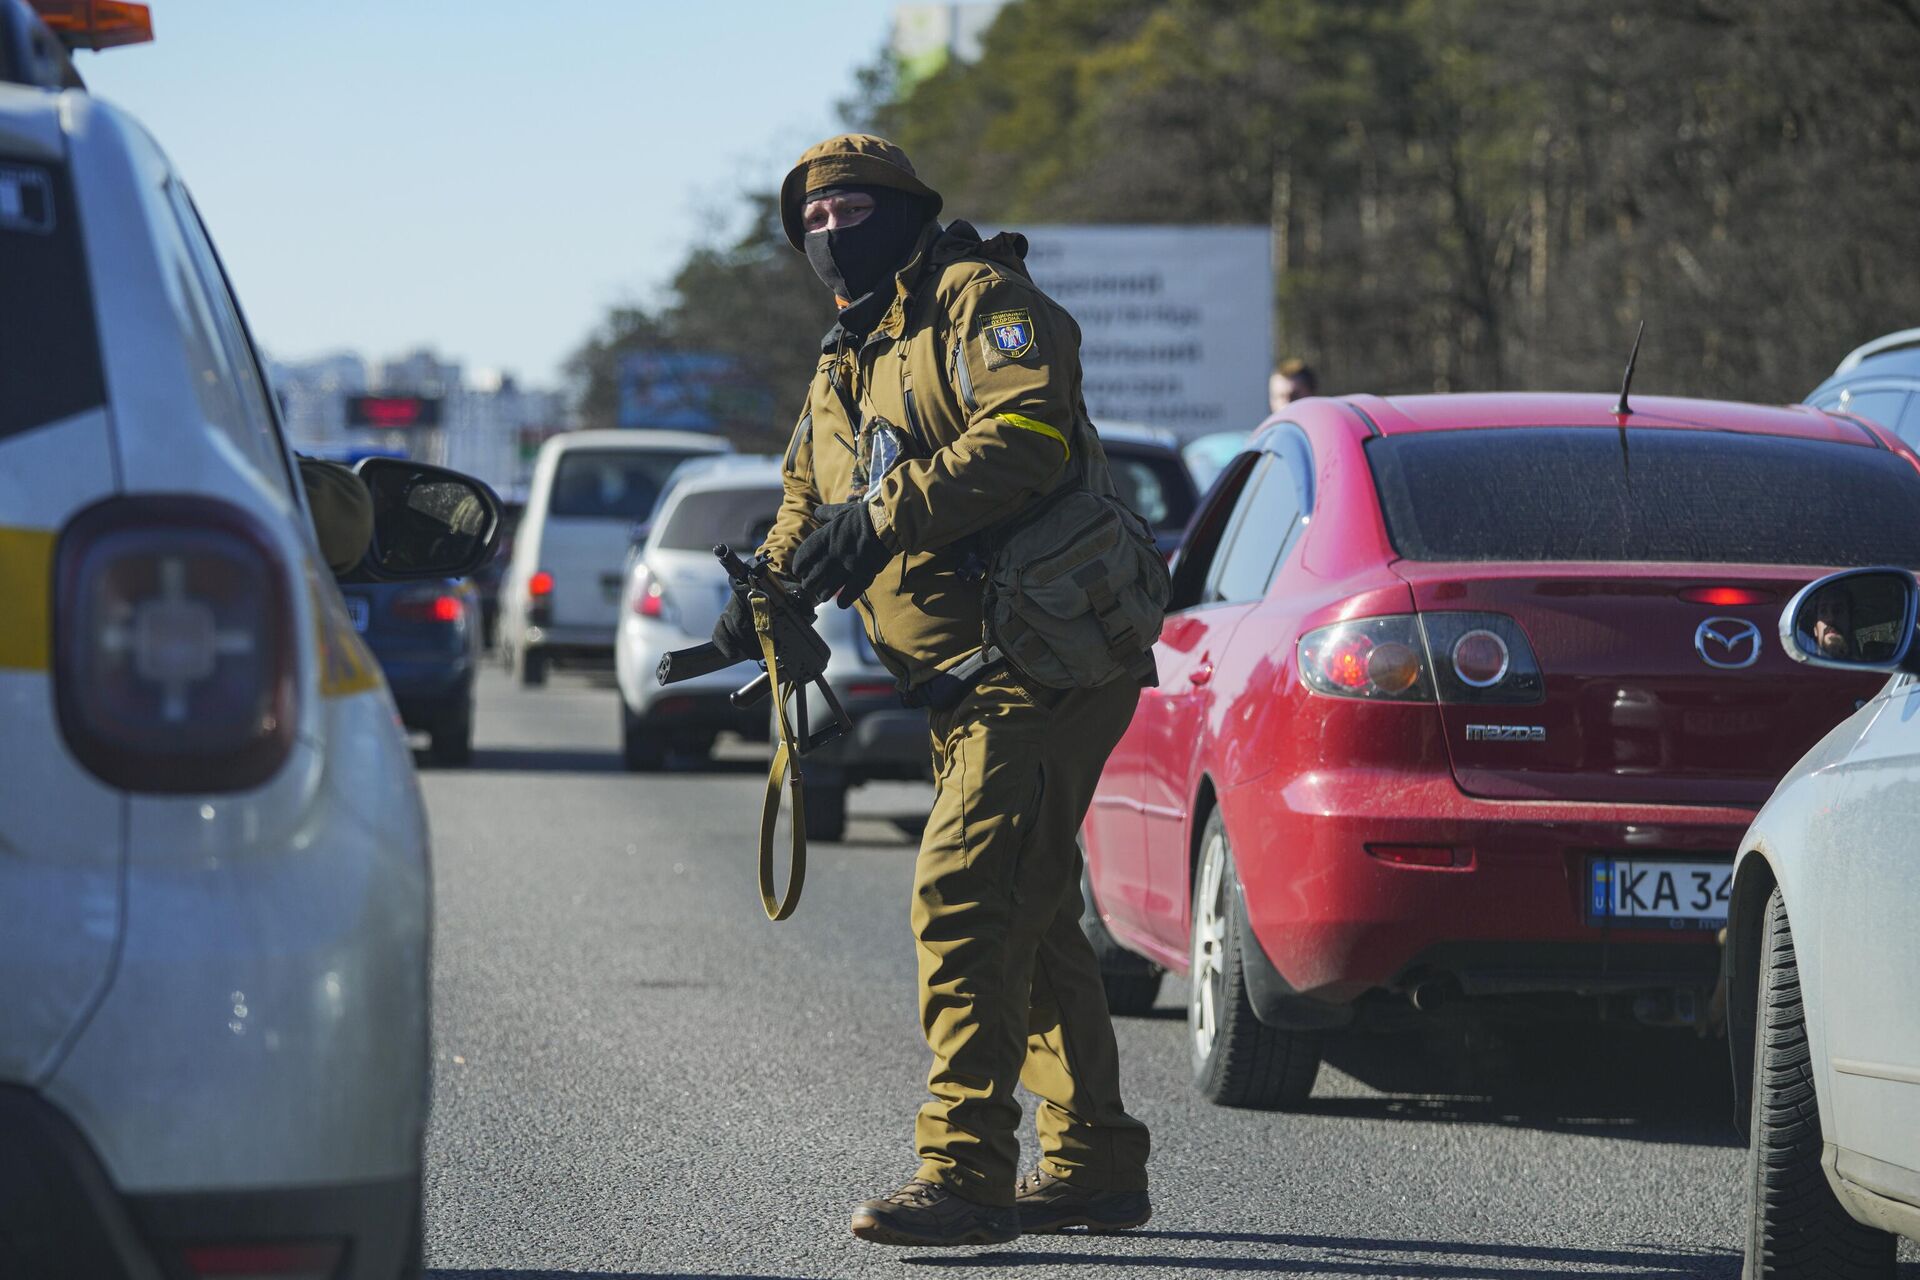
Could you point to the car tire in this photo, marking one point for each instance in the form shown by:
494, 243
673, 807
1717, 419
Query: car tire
1796, 1226
452, 736
640, 751
1237, 1060
826, 804
1131, 982
529, 667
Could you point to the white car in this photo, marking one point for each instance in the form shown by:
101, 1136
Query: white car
674, 594
214, 890
1823, 958
560, 599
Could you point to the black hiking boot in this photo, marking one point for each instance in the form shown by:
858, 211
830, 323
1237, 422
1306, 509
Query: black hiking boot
922, 1213
1048, 1205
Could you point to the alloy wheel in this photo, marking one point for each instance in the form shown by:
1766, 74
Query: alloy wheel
1208, 988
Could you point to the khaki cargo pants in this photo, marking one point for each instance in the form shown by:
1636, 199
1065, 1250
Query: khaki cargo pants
1009, 988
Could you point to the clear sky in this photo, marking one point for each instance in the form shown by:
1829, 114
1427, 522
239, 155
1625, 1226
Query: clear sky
485, 176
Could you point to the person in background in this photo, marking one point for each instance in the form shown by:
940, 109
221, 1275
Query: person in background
1293, 380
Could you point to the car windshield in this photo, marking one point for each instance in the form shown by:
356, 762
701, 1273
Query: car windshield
613, 484
1573, 493
738, 517
1156, 485
49, 353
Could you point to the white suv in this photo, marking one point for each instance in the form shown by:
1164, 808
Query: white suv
214, 892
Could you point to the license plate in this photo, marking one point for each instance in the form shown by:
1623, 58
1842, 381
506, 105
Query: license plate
1723, 724
1683, 894
358, 612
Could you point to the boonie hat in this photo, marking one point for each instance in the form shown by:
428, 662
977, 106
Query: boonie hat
850, 160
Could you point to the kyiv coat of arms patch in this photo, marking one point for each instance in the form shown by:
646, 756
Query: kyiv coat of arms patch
1007, 335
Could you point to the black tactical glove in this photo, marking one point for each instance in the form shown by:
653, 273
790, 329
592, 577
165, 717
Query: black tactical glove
839, 560
734, 635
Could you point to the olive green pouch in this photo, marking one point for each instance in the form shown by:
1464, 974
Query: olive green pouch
1076, 590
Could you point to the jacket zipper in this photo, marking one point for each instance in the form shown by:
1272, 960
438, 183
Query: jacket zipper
963, 380
913, 422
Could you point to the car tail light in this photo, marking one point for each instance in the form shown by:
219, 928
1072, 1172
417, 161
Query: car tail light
1725, 595
1378, 658
174, 655
1448, 657
540, 584
429, 605
306, 1260
649, 598
1481, 658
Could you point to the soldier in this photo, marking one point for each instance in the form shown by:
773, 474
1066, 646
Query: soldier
948, 400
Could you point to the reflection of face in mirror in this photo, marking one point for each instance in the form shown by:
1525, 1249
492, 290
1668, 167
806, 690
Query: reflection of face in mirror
1832, 615
1857, 619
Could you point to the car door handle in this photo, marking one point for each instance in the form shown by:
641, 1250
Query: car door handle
1202, 673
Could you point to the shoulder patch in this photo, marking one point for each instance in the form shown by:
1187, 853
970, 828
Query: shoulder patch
1006, 335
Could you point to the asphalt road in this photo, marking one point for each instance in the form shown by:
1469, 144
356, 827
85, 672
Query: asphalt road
637, 1075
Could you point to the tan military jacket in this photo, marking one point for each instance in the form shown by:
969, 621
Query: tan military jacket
980, 372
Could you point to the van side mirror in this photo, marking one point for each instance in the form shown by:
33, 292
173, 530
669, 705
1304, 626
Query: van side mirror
428, 522
1859, 620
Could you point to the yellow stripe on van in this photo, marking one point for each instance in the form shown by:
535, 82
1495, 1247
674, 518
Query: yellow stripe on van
1034, 424
26, 598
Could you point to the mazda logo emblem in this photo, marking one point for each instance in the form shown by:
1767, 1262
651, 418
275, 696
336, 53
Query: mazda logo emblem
1727, 643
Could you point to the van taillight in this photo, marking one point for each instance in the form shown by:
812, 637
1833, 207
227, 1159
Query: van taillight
173, 657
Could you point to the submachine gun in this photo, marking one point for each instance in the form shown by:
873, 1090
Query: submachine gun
792, 656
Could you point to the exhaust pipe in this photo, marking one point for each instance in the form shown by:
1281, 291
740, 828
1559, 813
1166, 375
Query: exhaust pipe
1430, 994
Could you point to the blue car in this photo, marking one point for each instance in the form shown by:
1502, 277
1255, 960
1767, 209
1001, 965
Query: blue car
426, 636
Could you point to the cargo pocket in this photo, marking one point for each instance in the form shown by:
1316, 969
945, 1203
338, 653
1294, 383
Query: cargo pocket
1001, 794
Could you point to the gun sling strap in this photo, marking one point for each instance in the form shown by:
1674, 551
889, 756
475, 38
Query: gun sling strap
785, 767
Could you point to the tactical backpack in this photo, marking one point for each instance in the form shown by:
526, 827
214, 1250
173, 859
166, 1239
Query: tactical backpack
1076, 590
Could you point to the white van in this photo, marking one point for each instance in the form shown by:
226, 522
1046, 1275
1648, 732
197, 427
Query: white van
591, 489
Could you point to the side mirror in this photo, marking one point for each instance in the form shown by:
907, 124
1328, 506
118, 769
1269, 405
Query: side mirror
1860, 620
428, 522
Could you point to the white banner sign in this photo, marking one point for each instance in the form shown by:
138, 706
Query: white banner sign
1176, 323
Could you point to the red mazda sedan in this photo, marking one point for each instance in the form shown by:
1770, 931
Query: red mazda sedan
1471, 697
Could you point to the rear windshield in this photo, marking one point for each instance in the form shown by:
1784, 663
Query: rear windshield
1156, 485
738, 517
612, 484
1572, 493
49, 353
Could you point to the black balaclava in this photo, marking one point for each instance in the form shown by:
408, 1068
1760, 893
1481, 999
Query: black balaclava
859, 259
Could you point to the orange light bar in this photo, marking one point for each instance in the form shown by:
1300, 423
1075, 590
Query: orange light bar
96, 24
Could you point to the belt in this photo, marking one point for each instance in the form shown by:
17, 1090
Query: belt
944, 689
